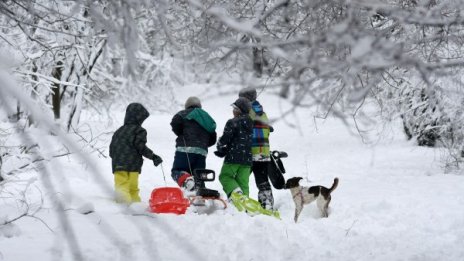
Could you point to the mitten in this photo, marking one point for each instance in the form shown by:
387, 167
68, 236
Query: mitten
220, 154
156, 160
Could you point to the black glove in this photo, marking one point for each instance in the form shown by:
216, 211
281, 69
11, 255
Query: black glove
220, 154
157, 160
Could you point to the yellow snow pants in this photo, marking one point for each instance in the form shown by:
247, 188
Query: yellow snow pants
126, 185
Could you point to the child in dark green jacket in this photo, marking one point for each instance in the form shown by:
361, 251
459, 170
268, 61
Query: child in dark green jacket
195, 131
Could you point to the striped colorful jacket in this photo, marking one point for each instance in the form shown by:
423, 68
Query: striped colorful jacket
261, 129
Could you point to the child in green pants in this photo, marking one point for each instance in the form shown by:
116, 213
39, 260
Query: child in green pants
235, 146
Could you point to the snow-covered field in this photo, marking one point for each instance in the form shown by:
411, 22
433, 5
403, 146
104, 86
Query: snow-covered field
393, 201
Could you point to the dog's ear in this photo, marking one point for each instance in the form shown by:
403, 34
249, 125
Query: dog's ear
293, 182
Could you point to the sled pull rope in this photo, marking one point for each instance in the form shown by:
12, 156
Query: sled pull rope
188, 159
164, 176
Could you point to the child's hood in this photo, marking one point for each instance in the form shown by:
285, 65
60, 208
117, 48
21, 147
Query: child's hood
257, 108
135, 114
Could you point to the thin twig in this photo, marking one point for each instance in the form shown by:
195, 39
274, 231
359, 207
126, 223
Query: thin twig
35, 161
349, 229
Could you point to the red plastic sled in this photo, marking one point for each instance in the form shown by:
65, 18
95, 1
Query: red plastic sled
168, 200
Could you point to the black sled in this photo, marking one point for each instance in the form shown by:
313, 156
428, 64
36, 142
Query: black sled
204, 194
276, 169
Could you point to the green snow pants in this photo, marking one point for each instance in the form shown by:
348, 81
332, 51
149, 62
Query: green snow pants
234, 176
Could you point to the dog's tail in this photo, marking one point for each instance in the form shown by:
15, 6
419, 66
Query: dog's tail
334, 186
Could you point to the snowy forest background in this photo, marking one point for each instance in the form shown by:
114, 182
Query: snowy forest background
65, 63
64, 56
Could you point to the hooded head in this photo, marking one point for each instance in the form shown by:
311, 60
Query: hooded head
192, 102
135, 114
243, 105
249, 93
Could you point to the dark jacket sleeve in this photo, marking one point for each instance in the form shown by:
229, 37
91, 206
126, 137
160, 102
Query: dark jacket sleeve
212, 139
140, 143
176, 124
111, 147
223, 144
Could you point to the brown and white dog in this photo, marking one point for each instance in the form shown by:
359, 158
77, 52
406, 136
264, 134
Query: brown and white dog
304, 195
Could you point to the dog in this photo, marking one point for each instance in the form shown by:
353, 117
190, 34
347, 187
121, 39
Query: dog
304, 195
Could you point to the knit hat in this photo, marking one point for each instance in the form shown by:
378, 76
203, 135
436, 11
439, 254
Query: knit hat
249, 93
243, 104
192, 102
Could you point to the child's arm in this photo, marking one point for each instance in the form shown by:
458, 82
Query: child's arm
141, 146
224, 141
140, 143
212, 139
176, 124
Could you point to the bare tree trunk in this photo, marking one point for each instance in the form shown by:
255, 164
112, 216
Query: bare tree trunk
35, 79
257, 62
15, 116
57, 72
284, 91
79, 92
18, 111
76, 108
1, 178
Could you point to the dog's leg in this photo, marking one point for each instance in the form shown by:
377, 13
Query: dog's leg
323, 205
325, 212
298, 209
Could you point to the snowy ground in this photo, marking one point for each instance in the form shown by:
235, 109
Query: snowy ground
393, 202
